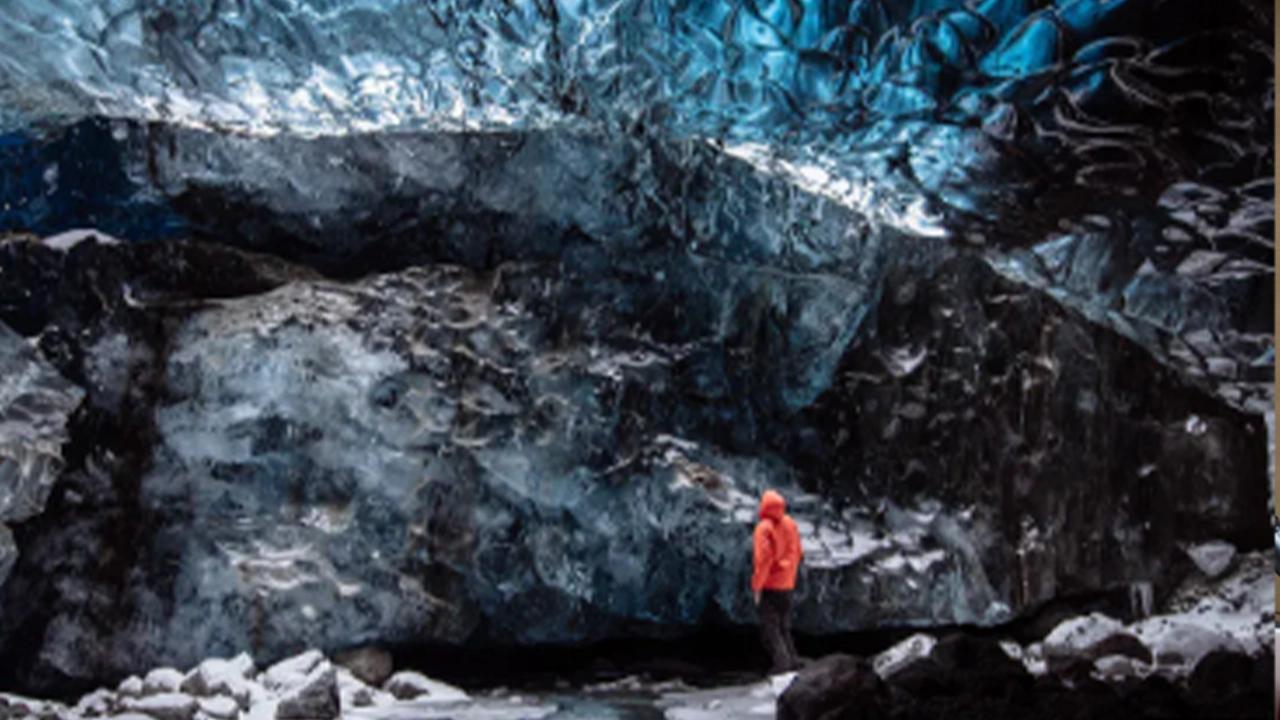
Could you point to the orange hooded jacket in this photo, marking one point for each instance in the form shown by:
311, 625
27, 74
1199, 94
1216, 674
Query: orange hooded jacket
777, 546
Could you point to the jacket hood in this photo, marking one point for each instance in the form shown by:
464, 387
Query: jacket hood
772, 506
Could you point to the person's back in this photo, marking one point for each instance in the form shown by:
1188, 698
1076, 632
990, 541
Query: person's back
776, 561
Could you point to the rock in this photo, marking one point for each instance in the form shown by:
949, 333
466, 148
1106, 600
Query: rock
354, 692
835, 686
1091, 637
979, 665
362, 697
315, 698
293, 671
1212, 558
217, 676
130, 687
409, 685
97, 703
219, 708
162, 680
164, 706
371, 665
1220, 673
1115, 668
1180, 642
915, 648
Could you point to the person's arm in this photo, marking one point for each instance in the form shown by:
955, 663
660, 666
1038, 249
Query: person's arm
763, 557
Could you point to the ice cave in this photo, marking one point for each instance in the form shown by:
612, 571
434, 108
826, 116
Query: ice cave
428, 358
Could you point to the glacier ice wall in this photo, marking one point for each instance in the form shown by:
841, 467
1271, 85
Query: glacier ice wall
544, 454
962, 271
1117, 154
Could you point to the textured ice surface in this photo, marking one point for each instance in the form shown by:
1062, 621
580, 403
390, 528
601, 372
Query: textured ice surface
1115, 153
35, 403
774, 208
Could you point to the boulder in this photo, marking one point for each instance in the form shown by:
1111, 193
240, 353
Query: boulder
372, 665
409, 685
1221, 673
162, 680
1212, 558
314, 698
164, 706
293, 671
1118, 668
97, 703
835, 687
131, 686
219, 677
219, 708
354, 692
903, 654
1089, 638
1180, 641
979, 665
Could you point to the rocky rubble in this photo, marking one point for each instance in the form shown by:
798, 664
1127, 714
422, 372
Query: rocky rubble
1214, 658
307, 686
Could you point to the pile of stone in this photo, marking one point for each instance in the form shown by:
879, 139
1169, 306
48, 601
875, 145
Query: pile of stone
1092, 666
308, 686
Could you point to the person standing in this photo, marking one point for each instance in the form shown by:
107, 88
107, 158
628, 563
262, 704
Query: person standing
776, 560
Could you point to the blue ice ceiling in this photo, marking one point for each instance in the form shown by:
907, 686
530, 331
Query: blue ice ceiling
719, 68
1117, 153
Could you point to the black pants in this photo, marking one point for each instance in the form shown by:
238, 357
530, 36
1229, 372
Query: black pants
775, 630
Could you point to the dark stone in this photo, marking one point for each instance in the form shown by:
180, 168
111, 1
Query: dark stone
316, 699
1220, 673
1124, 644
838, 687
979, 666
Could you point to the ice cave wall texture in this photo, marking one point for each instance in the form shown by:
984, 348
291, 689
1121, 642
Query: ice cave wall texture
484, 323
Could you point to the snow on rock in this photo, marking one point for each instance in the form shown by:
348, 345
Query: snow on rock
1076, 635
1115, 668
29, 706
1212, 558
409, 685
893, 660
219, 708
164, 706
354, 692
130, 686
1180, 641
1033, 659
71, 238
231, 678
291, 672
315, 698
98, 702
162, 680
1084, 638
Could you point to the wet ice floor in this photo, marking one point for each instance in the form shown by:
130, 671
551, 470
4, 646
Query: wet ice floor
740, 701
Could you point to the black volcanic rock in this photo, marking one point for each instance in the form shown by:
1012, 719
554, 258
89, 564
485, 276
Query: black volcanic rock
838, 687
